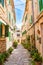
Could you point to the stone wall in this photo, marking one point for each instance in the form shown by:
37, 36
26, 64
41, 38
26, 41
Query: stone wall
2, 45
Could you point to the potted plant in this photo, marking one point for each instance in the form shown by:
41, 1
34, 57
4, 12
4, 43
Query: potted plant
37, 58
33, 50
15, 43
1, 59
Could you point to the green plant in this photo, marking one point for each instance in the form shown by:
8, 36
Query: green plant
33, 50
6, 54
26, 45
10, 50
32, 62
28, 38
2, 57
37, 57
15, 43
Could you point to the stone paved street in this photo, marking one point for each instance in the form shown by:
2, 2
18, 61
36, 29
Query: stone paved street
19, 56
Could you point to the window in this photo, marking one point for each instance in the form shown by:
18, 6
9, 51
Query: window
18, 35
2, 2
41, 5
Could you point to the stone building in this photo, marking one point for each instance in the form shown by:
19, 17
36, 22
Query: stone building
7, 22
18, 35
35, 21
25, 21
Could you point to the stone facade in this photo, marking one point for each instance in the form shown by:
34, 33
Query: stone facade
2, 45
7, 23
35, 24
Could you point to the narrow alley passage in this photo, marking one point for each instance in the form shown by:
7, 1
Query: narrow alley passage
19, 56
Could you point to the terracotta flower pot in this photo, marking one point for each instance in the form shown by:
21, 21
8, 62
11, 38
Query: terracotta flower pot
0, 64
38, 63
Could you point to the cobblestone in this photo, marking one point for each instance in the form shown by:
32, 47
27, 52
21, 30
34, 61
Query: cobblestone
19, 56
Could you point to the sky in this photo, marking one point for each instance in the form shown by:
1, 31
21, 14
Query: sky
19, 10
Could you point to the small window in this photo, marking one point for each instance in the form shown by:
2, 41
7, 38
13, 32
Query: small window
18, 35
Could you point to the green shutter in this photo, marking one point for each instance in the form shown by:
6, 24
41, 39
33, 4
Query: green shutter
3, 3
41, 5
9, 16
0, 1
31, 19
26, 18
9, 1
9, 36
6, 31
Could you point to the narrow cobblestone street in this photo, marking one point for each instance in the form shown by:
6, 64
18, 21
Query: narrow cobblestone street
19, 56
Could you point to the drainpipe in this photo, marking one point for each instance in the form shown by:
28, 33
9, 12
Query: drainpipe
33, 19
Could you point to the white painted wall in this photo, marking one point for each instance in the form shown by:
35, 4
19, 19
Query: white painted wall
8, 44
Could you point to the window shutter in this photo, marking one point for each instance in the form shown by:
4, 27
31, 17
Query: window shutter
0, 1
6, 31
3, 3
40, 5
26, 18
9, 17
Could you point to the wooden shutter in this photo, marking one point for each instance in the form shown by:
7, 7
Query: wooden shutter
6, 31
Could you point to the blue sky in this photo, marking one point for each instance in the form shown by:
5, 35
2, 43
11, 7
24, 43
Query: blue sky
19, 9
